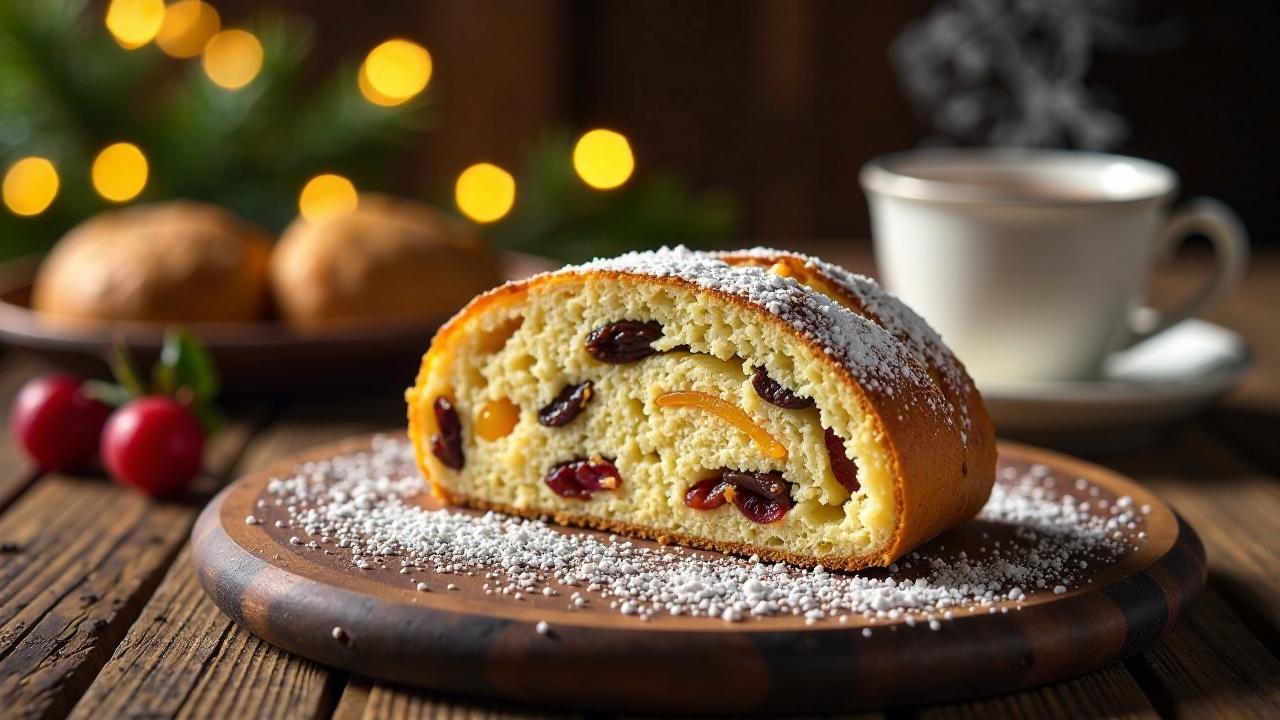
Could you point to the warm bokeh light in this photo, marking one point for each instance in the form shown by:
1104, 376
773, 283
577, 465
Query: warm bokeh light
133, 23
120, 172
232, 58
485, 193
603, 159
371, 93
394, 72
188, 25
30, 186
327, 194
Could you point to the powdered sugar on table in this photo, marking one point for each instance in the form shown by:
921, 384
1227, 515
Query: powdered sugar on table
1045, 533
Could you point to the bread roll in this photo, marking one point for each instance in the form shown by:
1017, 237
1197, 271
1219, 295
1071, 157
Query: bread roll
172, 262
388, 259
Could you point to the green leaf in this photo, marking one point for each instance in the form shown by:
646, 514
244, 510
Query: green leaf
125, 369
109, 393
208, 416
185, 363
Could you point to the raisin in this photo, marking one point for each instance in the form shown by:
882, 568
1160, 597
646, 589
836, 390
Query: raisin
761, 497
771, 391
446, 445
760, 508
581, 477
769, 484
844, 468
623, 341
571, 401
706, 494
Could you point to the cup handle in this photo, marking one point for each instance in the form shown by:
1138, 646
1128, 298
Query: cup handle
1222, 226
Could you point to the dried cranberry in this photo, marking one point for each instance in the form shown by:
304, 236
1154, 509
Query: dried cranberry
762, 497
844, 468
571, 401
706, 494
771, 391
582, 477
760, 508
446, 445
623, 341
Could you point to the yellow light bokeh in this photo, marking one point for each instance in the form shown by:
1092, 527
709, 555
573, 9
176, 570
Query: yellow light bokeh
603, 159
371, 93
485, 193
30, 186
394, 72
120, 172
133, 23
188, 25
232, 58
327, 194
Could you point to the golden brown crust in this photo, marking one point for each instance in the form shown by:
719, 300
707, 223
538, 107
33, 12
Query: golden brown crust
939, 481
978, 468
177, 261
388, 259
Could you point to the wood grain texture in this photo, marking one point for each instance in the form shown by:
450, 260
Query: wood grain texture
183, 658
1234, 505
91, 554
1110, 692
479, 645
84, 556
1211, 667
394, 702
16, 472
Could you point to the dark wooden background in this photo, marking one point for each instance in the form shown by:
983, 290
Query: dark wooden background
782, 101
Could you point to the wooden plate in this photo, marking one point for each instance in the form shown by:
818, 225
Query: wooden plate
252, 357
485, 645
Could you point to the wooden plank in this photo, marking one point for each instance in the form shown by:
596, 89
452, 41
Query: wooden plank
395, 703
91, 554
315, 422
1249, 420
16, 472
184, 658
83, 557
1234, 506
1111, 692
1211, 667
516, 52
782, 114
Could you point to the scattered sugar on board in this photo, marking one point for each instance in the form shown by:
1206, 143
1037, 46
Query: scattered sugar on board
359, 505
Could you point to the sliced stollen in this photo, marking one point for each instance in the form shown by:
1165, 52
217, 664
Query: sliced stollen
758, 402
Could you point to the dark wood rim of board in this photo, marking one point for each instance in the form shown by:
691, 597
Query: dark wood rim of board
610, 662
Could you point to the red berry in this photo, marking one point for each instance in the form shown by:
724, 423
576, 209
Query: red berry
153, 444
56, 423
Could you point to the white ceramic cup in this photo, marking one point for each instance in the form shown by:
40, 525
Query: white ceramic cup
1032, 264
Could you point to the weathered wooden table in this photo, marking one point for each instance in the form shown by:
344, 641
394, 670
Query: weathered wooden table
101, 616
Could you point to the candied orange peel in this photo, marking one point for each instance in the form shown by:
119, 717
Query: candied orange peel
728, 412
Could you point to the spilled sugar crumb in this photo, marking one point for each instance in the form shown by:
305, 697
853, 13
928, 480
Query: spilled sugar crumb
360, 507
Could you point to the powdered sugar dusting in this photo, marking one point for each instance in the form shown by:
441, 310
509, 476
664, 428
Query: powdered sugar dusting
870, 352
1044, 536
896, 317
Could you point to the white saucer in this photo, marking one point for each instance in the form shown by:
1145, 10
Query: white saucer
1148, 386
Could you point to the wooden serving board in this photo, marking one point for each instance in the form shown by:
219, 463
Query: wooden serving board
468, 642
